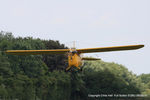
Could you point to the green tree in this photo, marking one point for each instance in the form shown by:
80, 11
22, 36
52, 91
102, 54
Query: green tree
109, 78
43, 77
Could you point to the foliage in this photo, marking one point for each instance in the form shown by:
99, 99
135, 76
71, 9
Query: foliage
43, 77
145, 78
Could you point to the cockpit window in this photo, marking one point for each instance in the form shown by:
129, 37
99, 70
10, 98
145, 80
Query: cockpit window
74, 52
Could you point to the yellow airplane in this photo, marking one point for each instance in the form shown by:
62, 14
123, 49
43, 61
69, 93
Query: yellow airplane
74, 55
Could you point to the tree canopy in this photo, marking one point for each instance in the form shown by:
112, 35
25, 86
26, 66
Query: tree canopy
43, 77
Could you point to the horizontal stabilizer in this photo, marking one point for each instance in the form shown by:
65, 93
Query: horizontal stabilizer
89, 58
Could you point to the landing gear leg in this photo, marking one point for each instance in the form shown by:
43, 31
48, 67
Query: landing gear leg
68, 68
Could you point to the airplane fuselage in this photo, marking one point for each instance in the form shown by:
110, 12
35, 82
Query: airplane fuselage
74, 60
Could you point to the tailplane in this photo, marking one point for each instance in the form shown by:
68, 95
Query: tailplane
90, 58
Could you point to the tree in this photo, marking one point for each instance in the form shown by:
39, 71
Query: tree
109, 78
43, 77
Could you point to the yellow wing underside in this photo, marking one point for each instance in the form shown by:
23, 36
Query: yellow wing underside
63, 51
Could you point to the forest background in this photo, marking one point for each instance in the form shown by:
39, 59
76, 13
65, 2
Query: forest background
43, 77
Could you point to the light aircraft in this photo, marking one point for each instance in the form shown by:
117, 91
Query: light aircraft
74, 55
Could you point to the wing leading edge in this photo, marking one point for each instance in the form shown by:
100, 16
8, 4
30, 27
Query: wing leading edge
107, 49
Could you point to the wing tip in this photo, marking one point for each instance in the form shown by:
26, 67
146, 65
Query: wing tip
141, 45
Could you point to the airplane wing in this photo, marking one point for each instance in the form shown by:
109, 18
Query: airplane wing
36, 52
107, 49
